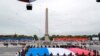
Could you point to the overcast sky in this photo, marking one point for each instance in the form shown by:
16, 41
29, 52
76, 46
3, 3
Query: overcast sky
66, 17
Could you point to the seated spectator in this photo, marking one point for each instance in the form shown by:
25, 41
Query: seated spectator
58, 54
70, 54
76, 54
44, 54
51, 54
89, 54
17, 54
83, 54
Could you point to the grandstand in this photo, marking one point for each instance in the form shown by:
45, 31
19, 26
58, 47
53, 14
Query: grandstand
15, 39
73, 38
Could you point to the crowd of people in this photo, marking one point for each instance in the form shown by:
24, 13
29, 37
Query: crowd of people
25, 50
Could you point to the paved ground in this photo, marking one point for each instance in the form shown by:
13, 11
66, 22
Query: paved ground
8, 51
94, 47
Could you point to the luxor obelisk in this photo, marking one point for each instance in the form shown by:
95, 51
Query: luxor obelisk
46, 25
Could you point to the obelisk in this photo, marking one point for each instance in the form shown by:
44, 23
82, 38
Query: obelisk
46, 26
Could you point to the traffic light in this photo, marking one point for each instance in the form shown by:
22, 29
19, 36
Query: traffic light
97, 0
29, 6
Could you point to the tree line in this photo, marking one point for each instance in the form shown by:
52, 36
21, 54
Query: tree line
35, 37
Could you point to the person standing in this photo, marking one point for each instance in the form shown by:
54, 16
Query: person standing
17, 54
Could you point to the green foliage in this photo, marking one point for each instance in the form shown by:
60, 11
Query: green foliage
35, 37
51, 38
99, 34
42, 38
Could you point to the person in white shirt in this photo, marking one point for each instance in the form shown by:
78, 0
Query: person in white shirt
17, 54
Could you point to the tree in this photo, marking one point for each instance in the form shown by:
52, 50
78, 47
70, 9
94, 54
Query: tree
99, 35
35, 37
51, 38
69, 36
94, 35
90, 37
42, 38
